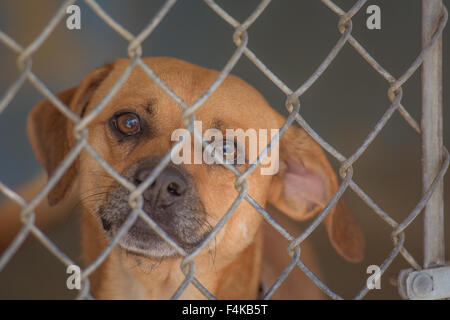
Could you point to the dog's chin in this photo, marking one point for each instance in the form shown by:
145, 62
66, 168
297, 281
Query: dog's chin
158, 249
141, 240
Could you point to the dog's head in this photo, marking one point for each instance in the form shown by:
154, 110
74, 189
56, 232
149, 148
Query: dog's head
135, 130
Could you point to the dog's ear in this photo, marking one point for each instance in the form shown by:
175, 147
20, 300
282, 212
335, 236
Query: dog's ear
50, 132
305, 184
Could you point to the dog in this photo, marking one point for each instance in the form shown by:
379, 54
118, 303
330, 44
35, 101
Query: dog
132, 134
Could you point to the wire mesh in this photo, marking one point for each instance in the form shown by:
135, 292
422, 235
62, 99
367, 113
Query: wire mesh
293, 105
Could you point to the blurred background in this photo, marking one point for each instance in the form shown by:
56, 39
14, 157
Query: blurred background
292, 38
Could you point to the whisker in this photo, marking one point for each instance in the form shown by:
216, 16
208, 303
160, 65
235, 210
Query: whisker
83, 200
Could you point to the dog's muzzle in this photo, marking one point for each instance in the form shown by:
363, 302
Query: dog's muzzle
168, 188
171, 201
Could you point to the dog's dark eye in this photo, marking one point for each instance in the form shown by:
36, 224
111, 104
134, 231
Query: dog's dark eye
227, 148
127, 123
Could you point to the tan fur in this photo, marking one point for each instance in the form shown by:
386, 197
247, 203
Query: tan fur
230, 266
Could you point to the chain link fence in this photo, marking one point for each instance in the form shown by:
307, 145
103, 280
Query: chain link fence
293, 105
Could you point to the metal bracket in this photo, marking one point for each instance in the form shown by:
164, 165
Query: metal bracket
427, 284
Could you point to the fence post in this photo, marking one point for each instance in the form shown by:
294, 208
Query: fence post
432, 141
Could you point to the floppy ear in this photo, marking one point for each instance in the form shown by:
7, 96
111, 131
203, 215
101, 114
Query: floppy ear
305, 184
50, 132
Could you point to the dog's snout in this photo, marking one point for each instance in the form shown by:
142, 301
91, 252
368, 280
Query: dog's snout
168, 187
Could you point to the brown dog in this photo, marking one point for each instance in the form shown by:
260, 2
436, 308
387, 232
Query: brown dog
132, 133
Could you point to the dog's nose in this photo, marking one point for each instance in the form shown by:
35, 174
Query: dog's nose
169, 187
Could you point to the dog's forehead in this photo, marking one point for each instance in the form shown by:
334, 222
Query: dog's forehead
233, 102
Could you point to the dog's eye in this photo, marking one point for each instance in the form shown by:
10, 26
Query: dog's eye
226, 148
229, 150
127, 123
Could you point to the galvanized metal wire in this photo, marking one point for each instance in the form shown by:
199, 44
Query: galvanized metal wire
293, 105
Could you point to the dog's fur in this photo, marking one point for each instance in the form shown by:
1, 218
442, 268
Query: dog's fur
143, 265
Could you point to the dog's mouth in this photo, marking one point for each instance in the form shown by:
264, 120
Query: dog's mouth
142, 239
172, 202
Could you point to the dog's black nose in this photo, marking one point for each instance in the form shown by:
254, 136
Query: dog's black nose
169, 187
